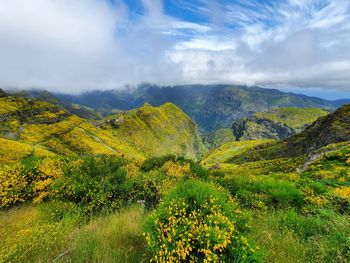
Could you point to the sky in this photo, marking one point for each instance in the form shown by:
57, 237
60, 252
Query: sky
73, 46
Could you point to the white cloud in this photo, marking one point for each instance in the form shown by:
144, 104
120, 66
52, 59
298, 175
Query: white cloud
89, 44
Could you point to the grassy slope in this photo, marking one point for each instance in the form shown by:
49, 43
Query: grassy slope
296, 118
278, 123
158, 131
332, 128
229, 150
217, 138
26, 237
148, 131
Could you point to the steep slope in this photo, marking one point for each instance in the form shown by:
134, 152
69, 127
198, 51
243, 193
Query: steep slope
278, 123
210, 106
42, 128
73, 108
229, 150
332, 128
2, 93
157, 131
218, 137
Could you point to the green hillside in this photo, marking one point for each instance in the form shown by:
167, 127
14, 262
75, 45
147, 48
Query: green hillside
211, 106
138, 134
278, 123
216, 138
140, 186
296, 118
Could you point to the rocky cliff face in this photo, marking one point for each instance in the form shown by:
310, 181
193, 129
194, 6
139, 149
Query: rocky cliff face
332, 128
275, 124
255, 128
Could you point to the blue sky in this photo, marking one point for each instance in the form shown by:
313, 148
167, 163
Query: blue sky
73, 46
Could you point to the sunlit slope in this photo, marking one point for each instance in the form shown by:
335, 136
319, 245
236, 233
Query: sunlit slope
332, 128
321, 151
230, 150
278, 123
34, 125
157, 131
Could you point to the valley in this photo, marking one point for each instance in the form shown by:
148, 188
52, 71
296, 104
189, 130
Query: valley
223, 174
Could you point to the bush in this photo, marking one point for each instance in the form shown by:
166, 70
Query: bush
28, 179
197, 222
157, 162
275, 193
161, 175
14, 187
99, 183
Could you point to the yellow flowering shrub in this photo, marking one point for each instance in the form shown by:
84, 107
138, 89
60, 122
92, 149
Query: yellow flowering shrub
198, 223
48, 171
40, 152
12, 151
176, 170
13, 185
310, 197
343, 192
132, 170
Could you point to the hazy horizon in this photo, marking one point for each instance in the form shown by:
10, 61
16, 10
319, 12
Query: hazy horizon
60, 45
327, 94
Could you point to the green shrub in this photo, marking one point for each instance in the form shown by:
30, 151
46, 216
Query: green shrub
99, 183
276, 193
200, 223
161, 175
304, 226
154, 163
199, 171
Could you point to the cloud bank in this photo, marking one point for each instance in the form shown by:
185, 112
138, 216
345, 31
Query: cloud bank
72, 46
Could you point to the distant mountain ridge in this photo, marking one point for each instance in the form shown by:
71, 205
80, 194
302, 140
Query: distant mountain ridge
210, 106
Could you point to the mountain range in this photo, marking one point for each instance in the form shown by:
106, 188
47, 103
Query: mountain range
210, 106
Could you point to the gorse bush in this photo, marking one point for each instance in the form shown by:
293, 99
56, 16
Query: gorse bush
96, 184
14, 186
157, 162
29, 179
196, 222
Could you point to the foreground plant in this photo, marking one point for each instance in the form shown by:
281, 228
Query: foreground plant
198, 223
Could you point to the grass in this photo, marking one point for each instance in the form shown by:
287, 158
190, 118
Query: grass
289, 237
293, 117
229, 150
113, 238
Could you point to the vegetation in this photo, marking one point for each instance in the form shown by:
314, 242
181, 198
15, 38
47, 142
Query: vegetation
136, 135
129, 188
278, 123
197, 222
217, 138
229, 150
212, 107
